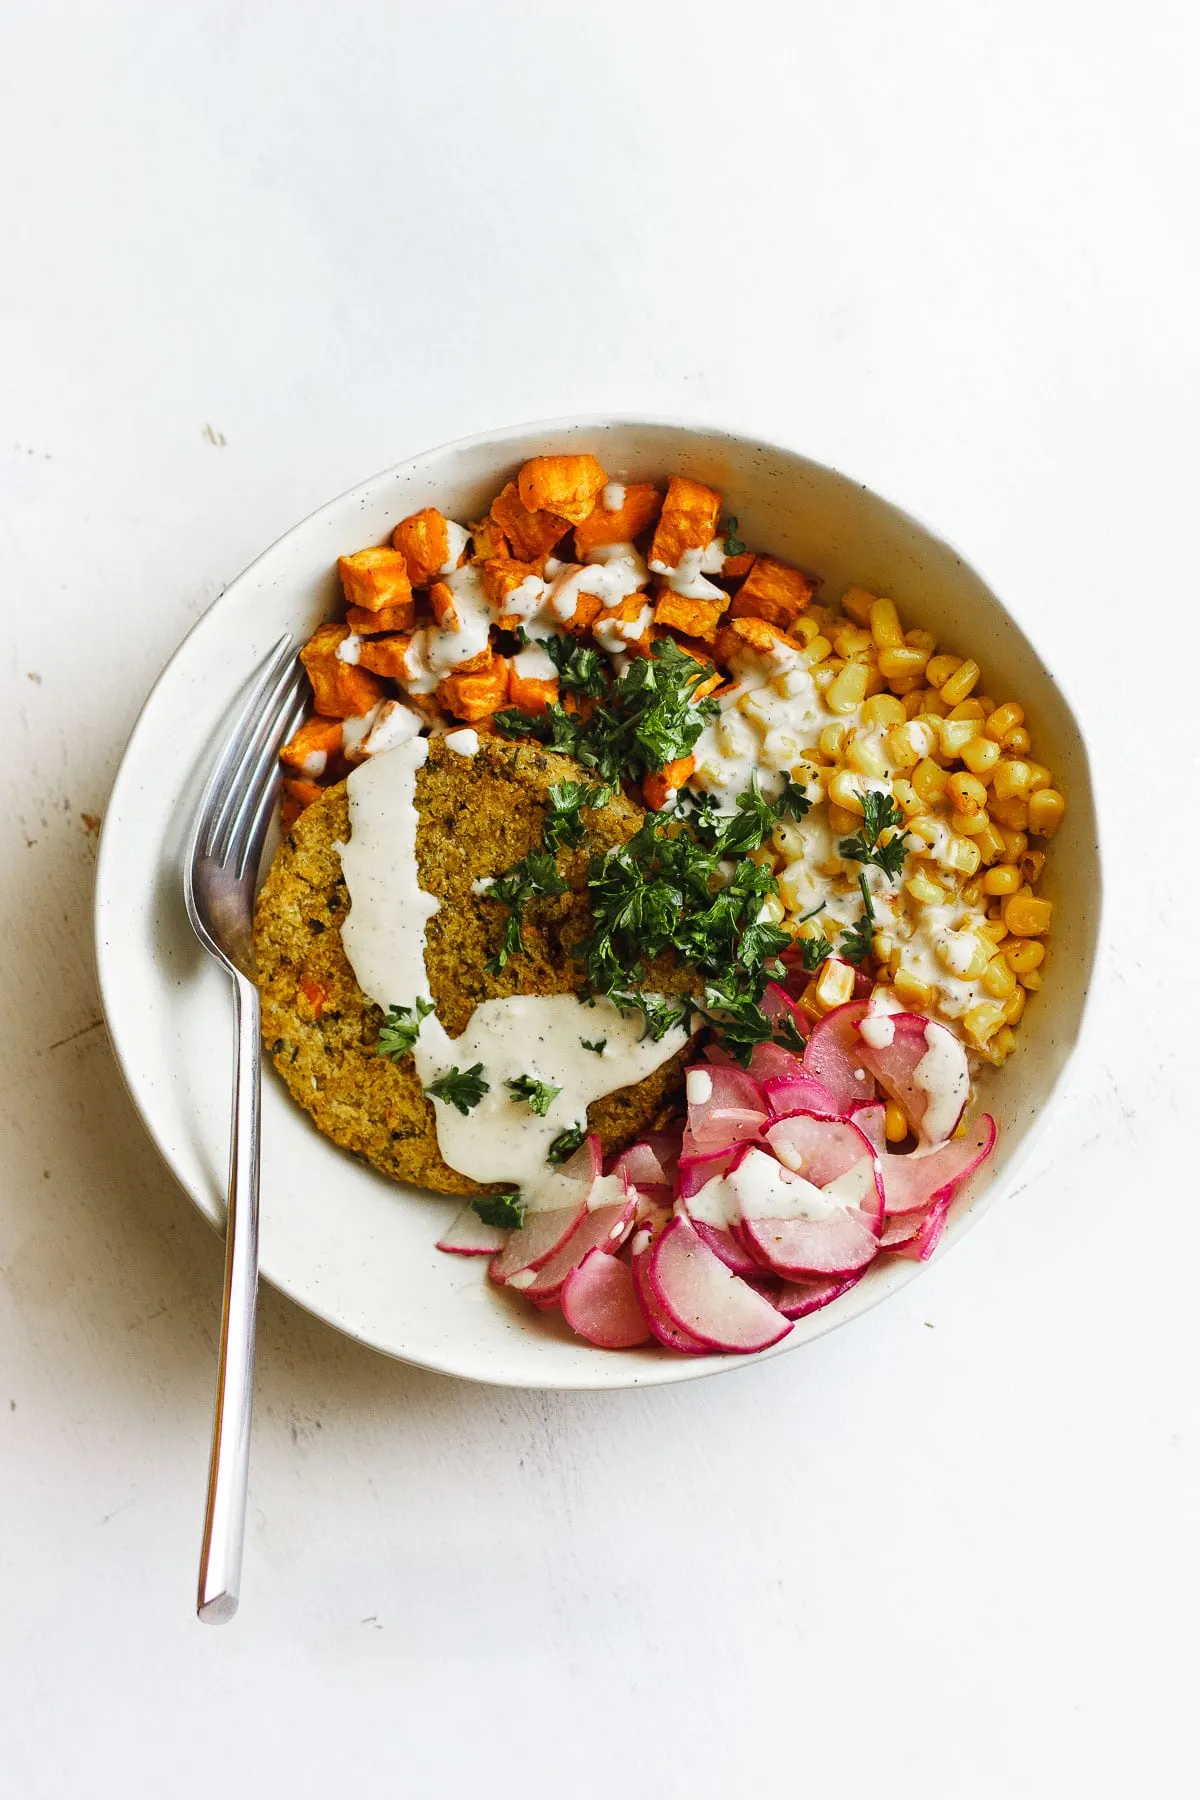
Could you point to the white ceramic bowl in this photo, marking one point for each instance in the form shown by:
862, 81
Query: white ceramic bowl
345, 1243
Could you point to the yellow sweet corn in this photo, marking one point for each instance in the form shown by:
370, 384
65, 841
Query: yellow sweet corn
1046, 810
1027, 916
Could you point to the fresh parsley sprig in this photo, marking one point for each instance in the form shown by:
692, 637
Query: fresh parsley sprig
732, 546
460, 1088
535, 876
596, 1045
813, 952
566, 1143
880, 814
504, 1210
580, 670
537, 1095
564, 826
401, 1028
856, 939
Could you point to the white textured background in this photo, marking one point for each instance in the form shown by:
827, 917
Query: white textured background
252, 252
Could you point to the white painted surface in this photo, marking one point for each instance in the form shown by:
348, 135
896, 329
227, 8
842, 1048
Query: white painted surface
953, 254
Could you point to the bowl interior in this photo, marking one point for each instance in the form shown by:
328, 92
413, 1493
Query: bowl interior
341, 1240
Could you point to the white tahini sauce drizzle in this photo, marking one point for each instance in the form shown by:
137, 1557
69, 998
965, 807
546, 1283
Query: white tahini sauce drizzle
686, 579
612, 496
878, 1030
464, 741
457, 539
502, 1138
943, 1077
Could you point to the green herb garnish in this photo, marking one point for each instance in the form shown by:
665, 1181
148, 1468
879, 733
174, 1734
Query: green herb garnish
505, 1210
733, 546
536, 1094
880, 814
463, 1089
566, 1143
856, 939
788, 1033
813, 952
598, 1045
660, 1013
564, 820
793, 799
535, 875
580, 670
400, 1029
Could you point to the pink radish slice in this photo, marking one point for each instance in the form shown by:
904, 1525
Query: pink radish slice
799, 1093
922, 1246
605, 1229
900, 1228
777, 1003
894, 1066
819, 1149
701, 1166
541, 1236
647, 1164
600, 1303
871, 1120
771, 1062
467, 1235
799, 1298
716, 1053
834, 1056
586, 1164
695, 1290
723, 1244
840, 1244
728, 1107
910, 1183
670, 1335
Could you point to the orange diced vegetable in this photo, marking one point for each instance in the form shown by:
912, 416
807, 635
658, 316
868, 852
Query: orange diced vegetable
735, 566
588, 608
341, 690
688, 521
659, 790
298, 792
388, 618
425, 544
476, 692
698, 653
636, 513
532, 534
487, 540
532, 694
316, 994
314, 743
441, 601
501, 574
566, 485
774, 592
628, 612
737, 636
385, 655
695, 618
374, 578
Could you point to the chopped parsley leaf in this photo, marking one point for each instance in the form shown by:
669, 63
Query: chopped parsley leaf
536, 1094
880, 814
535, 875
564, 820
400, 1029
463, 1089
733, 546
504, 1210
580, 670
566, 1143
598, 1045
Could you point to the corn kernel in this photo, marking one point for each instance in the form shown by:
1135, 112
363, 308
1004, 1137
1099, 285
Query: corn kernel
1023, 955
1003, 878
1015, 844
1001, 1046
773, 909
1046, 809
969, 824
1031, 865
933, 704
966, 794
1017, 741
983, 1021
908, 743
806, 628
765, 856
1031, 980
832, 738
924, 891
884, 710
1002, 720
842, 821
1012, 779
911, 989
968, 709
875, 682
886, 628
993, 930
908, 688
847, 691
1014, 1006
999, 980
907, 798
858, 603
962, 955
971, 894
1039, 778
835, 984
1014, 814
991, 849
865, 757
898, 663
1027, 916
850, 640
929, 781
816, 650
960, 683
895, 1125
960, 854
921, 640
954, 735
940, 669
845, 790
980, 755
984, 702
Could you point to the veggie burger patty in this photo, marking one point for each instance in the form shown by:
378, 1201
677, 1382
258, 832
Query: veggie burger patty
477, 816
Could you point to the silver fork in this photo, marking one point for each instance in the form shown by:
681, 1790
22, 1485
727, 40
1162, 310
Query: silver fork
220, 869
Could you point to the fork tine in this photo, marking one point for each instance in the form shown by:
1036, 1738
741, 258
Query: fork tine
241, 770
217, 785
250, 827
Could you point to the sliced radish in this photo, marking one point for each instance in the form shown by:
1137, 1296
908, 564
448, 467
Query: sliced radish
834, 1056
722, 1243
650, 1162
925, 1241
703, 1298
840, 1244
662, 1327
698, 1168
467, 1235
820, 1149
910, 1183
599, 1301
724, 1105
771, 1062
799, 1298
799, 1093
795, 1226
541, 1236
605, 1228
871, 1120
900, 1228
924, 1069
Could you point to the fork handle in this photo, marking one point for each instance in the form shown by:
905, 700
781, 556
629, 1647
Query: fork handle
225, 1513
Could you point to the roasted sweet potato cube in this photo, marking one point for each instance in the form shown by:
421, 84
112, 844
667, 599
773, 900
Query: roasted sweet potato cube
774, 592
737, 637
660, 790
385, 654
532, 534
487, 540
476, 692
530, 693
566, 485
636, 513
441, 601
341, 690
297, 793
688, 521
375, 578
424, 541
695, 618
502, 575
588, 608
734, 567
388, 618
614, 629
312, 746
